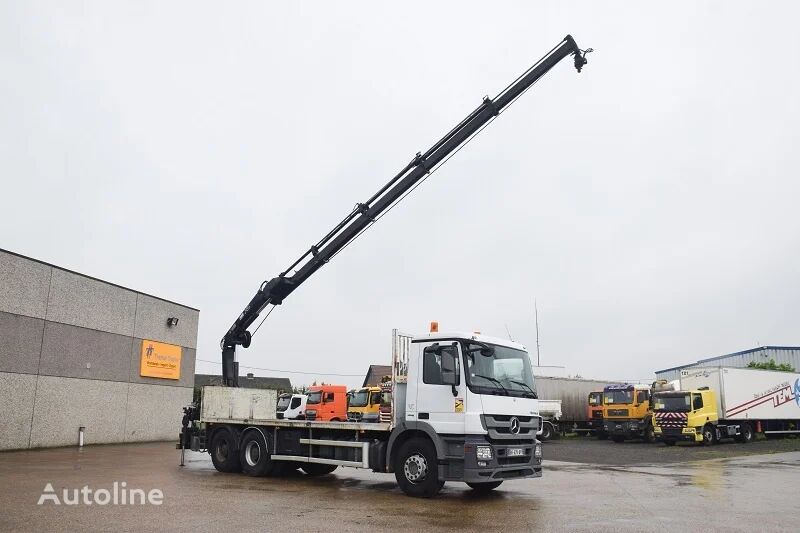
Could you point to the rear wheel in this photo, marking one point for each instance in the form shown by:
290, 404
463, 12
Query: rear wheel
416, 468
255, 457
224, 453
547, 432
483, 488
317, 469
709, 435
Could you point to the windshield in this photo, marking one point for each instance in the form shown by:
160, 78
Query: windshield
314, 397
359, 399
595, 398
618, 396
673, 403
507, 371
283, 402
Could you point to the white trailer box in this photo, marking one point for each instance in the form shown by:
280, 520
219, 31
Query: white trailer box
748, 393
234, 403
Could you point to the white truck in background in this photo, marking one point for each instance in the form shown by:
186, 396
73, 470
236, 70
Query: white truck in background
291, 406
550, 415
463, 409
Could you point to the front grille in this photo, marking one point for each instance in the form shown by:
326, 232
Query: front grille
667, 420
500, 426
617, 412
354, 416
597, 414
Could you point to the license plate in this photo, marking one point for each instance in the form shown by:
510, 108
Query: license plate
516, 452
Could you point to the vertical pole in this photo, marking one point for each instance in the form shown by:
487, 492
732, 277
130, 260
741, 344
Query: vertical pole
536, 315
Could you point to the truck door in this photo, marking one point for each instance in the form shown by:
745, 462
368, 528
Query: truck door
436, 403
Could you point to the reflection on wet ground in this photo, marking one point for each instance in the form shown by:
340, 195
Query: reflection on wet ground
732, 494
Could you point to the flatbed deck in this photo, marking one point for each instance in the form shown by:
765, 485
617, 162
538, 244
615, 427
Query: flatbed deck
304, 424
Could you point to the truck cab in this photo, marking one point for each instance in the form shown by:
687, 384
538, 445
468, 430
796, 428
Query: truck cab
291, 406
627, 412
685, 416
594, 412
364, 405
326, 403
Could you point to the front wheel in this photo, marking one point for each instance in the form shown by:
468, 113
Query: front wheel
618, 438
416, 468
649, 434
223, 452
483, 488
709, 435
669, 442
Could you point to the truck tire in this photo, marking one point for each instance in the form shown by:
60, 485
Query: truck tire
649, 435
669, 442
547, 432
602, 435
416, 468
746, 433
254, 456
224, 453
618, 438
483, 488
317, 469
709, 435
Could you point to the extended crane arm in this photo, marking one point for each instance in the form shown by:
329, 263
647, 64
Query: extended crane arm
364, 214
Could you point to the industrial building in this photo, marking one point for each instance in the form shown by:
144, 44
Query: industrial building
79, 355
780, 354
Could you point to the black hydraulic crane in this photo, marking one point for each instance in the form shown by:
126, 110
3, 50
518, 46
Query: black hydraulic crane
364, 214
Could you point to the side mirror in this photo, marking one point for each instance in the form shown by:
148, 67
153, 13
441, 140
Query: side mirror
450, 370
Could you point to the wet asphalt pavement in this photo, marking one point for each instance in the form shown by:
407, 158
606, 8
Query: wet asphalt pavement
745, 493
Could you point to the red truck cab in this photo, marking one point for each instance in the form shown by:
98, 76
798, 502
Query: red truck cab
327, 403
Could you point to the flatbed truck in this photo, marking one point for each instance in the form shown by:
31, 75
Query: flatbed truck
463, 405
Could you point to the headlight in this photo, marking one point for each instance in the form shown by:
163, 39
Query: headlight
484, 452
537, 451
311, 411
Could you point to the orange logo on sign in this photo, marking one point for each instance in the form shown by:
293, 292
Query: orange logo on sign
160, 360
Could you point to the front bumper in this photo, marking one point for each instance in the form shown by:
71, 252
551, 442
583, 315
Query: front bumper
630, 429
501, 466
678, 435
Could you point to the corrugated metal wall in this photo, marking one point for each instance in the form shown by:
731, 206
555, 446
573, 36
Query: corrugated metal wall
572, 392
790, 355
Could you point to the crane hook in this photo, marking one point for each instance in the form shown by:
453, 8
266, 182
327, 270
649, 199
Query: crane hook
580, 58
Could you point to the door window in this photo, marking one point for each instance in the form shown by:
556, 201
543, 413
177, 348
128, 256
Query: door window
435, 365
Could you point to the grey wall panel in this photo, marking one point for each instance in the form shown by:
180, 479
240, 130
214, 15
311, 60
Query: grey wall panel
154, 412
151, 322
16, 409
20, 343
23, 286
72, 351
64, 404
89, 303
187, 368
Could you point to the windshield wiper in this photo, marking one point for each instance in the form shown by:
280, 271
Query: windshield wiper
535, 396
493, 380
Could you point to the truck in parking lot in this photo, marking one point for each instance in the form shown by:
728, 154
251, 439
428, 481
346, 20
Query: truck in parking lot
721, 402
464, 406
291, 406
364, 405
463, 409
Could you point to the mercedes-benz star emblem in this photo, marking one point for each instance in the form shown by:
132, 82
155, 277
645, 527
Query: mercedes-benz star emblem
514, 425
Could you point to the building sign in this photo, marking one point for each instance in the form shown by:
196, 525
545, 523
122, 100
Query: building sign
160, 360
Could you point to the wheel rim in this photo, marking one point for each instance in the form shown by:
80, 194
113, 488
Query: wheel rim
252, 453
709, 436
415, 468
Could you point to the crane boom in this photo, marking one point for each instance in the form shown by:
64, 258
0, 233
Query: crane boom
364, 214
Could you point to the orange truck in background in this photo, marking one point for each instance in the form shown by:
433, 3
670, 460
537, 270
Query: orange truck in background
327, 403
594, 412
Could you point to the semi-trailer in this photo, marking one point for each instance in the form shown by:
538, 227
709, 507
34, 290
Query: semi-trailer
575, 396
722, 402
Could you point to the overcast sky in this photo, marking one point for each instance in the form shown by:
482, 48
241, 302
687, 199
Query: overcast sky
193, 149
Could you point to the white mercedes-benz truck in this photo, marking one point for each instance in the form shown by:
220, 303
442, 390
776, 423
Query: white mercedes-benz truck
464, 409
